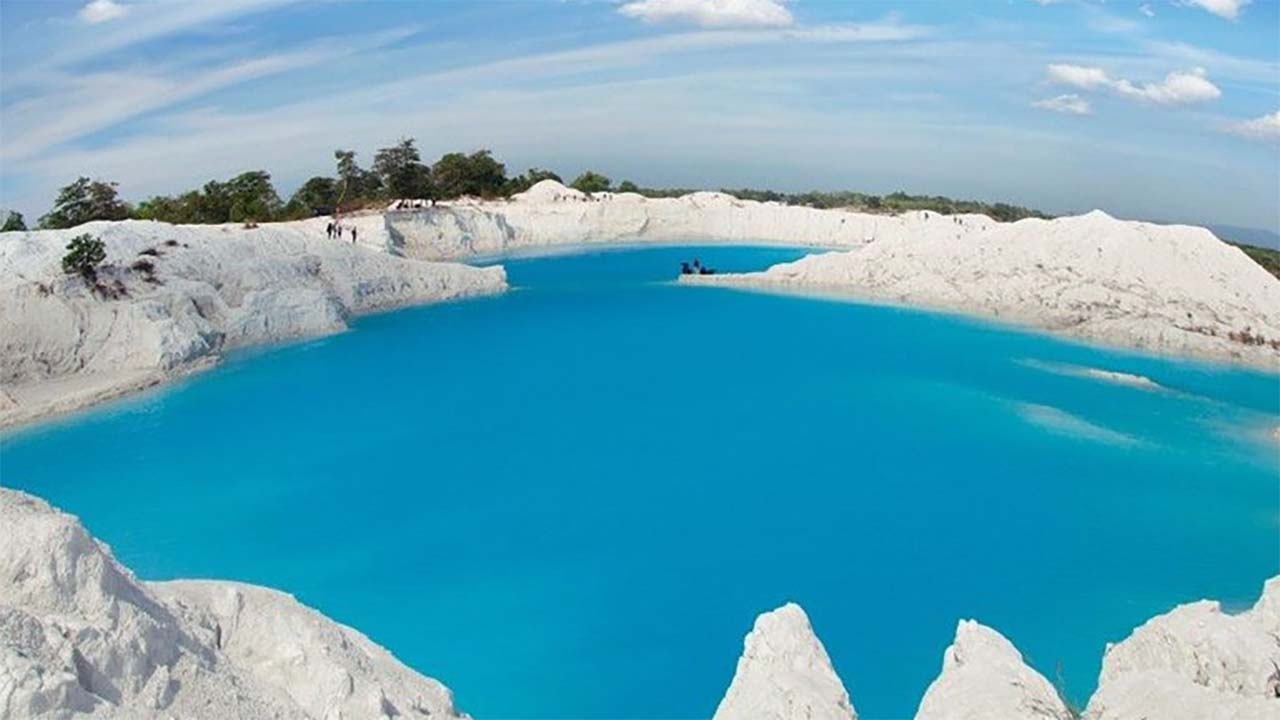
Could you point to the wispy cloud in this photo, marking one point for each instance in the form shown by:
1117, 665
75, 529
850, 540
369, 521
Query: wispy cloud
71, 106
1146, 9
1070, 104
1227, 9
100, 11
1265, 128
1177, 88
711, 13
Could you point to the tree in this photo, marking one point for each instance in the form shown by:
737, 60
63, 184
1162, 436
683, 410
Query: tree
317, 196
252, 197
528, 179
628, 186
84, 254
477, 174
83, 201
14, 222
591, 182
354, 183
401, 171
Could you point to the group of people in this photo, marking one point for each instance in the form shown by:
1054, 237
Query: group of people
696, 268
334, 231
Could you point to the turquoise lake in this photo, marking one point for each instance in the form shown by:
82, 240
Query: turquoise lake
573, 500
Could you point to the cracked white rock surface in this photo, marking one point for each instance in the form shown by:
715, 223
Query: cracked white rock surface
80, 637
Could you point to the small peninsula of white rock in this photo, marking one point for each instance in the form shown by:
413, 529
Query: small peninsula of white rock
80, 636
784, 674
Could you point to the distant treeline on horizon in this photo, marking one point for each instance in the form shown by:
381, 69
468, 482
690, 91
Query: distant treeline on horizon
399, 173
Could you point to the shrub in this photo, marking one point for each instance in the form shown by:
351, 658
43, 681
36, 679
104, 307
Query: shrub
84, 254
14, 222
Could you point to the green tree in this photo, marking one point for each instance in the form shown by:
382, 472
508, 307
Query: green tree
317, 196
528, 179
252, 197
591, 182
628, 186
14, 222
477, 174
401, 171
354, 183
84, 254
83, 201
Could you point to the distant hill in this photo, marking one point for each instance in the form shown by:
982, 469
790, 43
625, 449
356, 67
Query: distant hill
1247, 236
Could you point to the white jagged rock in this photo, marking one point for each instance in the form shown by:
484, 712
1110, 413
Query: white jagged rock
784, 674
179, 295
81, 637
984, 676
1196, 663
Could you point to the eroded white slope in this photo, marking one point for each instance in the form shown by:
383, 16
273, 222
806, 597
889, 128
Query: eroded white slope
784, 674
1168, 289
1196, 663
81, 637
984, 676
64, 344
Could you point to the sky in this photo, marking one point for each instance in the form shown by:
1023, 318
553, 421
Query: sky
1158, 109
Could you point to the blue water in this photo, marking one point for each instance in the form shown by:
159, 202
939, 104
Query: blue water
573, 500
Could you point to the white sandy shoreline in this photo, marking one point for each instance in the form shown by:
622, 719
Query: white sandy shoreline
736, 282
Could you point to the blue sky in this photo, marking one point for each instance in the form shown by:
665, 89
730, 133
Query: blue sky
1157, 109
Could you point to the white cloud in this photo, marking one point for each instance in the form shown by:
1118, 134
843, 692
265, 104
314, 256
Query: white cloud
1085, 78
1070, 104
1177, 88
1265, 128
711, 13
99, 11
1227, 9
1146, 9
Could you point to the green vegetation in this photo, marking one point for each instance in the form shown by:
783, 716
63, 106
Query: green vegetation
14, 222
591, 182
398, 172
84, 254
476, 175
1269, 259
84, 201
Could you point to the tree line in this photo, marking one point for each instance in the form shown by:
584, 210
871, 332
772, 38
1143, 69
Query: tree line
399, 172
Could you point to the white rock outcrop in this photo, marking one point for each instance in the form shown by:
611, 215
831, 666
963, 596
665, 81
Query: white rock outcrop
173, 297
1165, 288
984, 676
81, 637
784, 674
1196, 663
1193, 663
